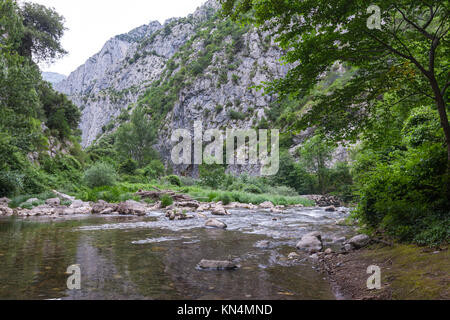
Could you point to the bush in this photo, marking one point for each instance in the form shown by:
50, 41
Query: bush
128, 166
252, 189
174, 180
405, 195
99, 175
166, 201
155, 170
212, 175
225, 198
11, 183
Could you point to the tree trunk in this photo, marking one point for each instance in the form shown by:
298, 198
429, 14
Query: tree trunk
442, 109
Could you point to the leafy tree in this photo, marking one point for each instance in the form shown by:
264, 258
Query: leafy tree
315, 154
409, 56
135, 139
211, 175
43, 30
99, 175
129, 166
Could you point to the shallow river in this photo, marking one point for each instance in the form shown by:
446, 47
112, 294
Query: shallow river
151, 257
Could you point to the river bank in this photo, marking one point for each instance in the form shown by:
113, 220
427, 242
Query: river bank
408, 272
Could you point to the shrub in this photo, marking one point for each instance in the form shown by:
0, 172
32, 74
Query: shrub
212, 175
10, 183
166, 201
236, 115
99, 175
174, 180
225, 198
405, 196
155, 169
252, 189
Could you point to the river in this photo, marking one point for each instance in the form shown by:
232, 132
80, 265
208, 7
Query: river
127, 257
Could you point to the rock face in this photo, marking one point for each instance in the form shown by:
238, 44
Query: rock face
220, 92
217, 265
311, 243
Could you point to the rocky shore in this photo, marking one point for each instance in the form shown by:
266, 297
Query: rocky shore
177, 211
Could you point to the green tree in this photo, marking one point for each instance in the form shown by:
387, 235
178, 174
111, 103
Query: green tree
315, 154
409, 55
135, 139
43, 30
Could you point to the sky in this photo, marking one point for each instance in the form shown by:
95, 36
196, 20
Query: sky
91, 23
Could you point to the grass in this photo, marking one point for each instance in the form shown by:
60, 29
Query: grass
20, 200
414, 272
125, 191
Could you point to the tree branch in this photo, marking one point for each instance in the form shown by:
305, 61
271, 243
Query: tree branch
420, 29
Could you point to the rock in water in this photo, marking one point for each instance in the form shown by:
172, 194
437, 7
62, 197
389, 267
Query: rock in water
131, 207
311, 242
214, 223
330, 209
217, 265
359, 241
267, 205
219, 210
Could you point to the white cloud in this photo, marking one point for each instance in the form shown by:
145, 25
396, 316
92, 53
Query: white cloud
93, 22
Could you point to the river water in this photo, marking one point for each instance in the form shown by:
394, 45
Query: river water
124, 257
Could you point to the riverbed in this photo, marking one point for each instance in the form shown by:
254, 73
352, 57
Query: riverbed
128, 257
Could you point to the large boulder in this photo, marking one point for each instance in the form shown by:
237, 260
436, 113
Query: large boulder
53, 202
214, 223
43, 210
267, 205
219, 210
311, 243
4, 201
79, 204
100, 206
64, 196
359, 241
31, 200
188, 204
204, 207
6, 211
217, 265
131, 207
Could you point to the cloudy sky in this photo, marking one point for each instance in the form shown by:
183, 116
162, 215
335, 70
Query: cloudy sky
93, 22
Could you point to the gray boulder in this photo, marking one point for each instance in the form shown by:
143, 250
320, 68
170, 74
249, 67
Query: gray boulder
214, 223
6, 211
131, 207
53, 202
217, 265
311, 242
359, 241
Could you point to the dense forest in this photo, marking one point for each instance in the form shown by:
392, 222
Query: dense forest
389, 108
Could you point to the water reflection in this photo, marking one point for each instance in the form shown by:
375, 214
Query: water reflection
152, 258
